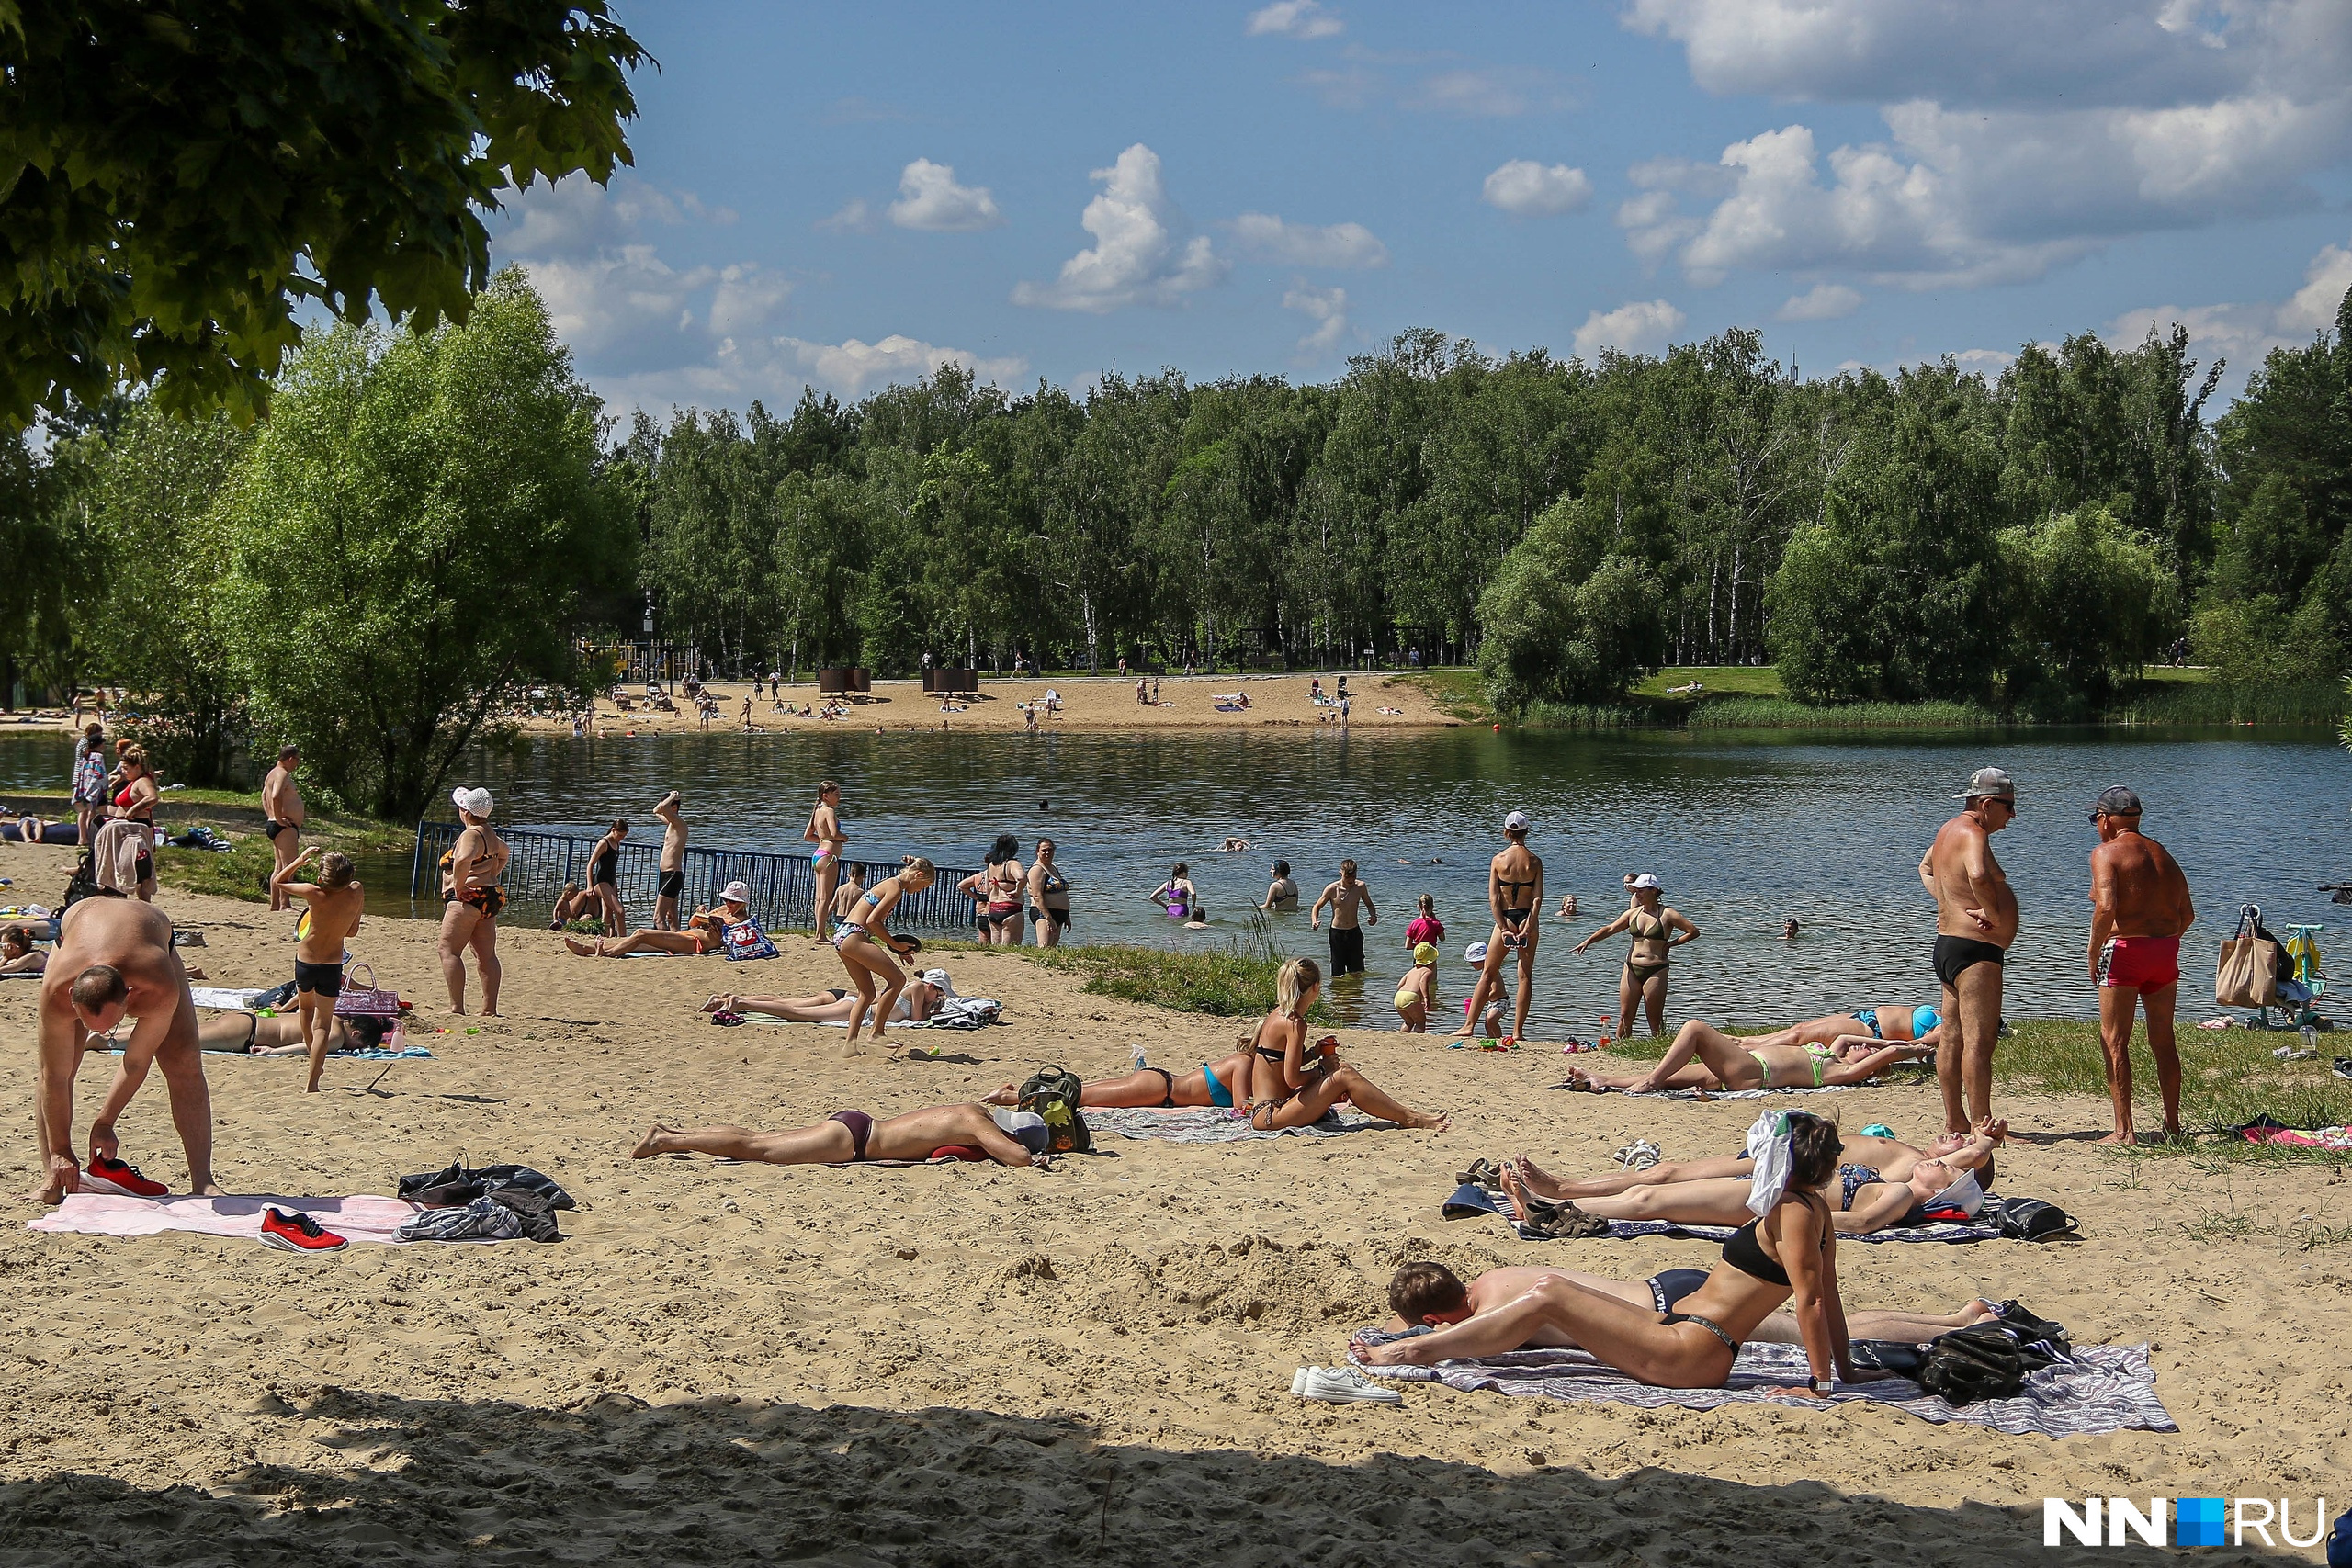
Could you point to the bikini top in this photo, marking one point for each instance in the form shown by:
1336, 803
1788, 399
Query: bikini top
1052, 882
1659, 930
1746, 1254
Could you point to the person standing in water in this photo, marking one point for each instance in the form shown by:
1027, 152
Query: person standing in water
1976, 922
1345, 897
1514, 890
2140, 906
824, 832
332, 902
1282, 893
673, 862
1049, 897
1178, 897
1657, 931
282, 818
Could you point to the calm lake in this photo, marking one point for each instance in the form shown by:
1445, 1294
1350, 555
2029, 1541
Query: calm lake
1745, 833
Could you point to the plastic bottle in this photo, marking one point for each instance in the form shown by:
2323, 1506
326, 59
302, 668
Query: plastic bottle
1141, 1063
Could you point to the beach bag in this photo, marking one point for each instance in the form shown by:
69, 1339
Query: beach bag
84, 883
745, 940
2248, 976
2030, 1218
1981, 1361
1053, 1093
365, 1001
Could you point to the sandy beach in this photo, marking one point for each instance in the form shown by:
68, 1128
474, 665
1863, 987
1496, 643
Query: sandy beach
970, 1364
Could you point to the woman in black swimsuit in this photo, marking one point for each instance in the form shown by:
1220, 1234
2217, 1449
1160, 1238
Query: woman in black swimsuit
1791, 1251
1049, 897
1294, 1083
605, 879
1514, 888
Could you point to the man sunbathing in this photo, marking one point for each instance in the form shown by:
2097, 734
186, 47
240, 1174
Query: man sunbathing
966, 1132
1733, 1062
918, 1001
1225, 1084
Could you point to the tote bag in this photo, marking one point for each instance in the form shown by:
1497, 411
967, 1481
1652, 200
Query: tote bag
2247, 974
365, 1001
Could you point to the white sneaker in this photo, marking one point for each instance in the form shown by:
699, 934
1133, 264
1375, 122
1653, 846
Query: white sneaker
1346, 1385
1298, 1378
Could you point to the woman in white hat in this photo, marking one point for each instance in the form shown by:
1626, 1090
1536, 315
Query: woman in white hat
1657, 931
471, 897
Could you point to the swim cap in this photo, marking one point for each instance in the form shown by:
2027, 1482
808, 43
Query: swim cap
1423, 952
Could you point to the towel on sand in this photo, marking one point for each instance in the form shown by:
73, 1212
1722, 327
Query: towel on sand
2105, 1388
361, 1218
226, 996
1210, 1124
1985, 1227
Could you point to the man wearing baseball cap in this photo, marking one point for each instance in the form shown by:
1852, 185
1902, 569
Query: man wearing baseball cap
2140, 906
1976, 919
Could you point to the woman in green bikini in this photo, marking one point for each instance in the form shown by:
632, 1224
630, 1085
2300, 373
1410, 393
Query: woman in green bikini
1704, 1057
1657, 931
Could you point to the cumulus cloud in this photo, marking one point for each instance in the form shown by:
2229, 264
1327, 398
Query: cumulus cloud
856, 217
928, 197
1823, 302
2244, 333
1302, 19
1138, 256
852, 369
1529, 189
1269, 238
575, 216
1327, 307
1642, 327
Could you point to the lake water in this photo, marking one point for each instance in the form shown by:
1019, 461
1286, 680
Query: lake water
1745, 833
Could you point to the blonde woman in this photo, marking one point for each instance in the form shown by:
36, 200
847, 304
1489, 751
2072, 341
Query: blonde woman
863, 940
1294, 1083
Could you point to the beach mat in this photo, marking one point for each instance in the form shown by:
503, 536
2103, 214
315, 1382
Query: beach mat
2105, 1388
1211, 1124
229, 999
1467, 1198
360, 1218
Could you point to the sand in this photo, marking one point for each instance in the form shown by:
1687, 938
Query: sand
969, 1364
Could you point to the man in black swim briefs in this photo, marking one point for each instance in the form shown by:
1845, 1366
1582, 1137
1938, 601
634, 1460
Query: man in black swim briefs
1976, 922
674, 863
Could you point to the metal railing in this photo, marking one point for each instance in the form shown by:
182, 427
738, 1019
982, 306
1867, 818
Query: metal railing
784, 886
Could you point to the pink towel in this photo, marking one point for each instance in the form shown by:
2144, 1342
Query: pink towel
361, 1218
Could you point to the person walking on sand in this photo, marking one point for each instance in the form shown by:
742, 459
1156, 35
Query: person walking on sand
1976, 922
1346, 899
673, 885
283, 818
865, 946
90, 784
471, 899
2140, 906
334, 902
1514, 891
824, 833
114, 959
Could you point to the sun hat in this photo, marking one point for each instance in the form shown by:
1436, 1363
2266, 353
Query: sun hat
1516, 822
735, 893
1964, 1194
475, 801
2115, 800
1646, 880
1424, 953
1474, 953
1993, 782
939, 978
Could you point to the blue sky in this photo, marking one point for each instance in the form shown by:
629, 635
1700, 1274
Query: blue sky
842, 196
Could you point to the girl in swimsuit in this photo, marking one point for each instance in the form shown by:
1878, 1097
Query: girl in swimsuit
1416, 992
1049, 897
471, 899
604, 877
1704, 1057
1292, 1090
1002, 885
1178, 897
1514, 888
863, 940
1657, 931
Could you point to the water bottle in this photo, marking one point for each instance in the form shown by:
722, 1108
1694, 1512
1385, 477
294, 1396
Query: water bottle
1141, 1063
2311, 1040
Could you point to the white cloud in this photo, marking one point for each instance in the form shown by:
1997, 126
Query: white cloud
1823, 302
574, 217
928, 197
1269, 238
1638, 328
856, 217
2244, 333
1137, 257
1327, 307
851, 368
1529, 189
1303, 19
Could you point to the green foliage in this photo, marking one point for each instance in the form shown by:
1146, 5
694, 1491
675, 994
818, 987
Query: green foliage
183, 176
408, 542
2090, 602
2214, 702
1234, 981
1782, 713
2254, 644
1552, 638
46, 543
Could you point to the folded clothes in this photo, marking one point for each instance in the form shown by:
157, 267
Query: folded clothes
1211, 1124
2104, 1388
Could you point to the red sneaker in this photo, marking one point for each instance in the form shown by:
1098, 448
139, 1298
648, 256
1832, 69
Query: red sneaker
120, 1177
297, 1233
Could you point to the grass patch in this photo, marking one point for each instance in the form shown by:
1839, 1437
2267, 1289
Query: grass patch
243, 871
1457, 694
1586, 715
1234, 981
1787, 713
1719, 681
2165, 701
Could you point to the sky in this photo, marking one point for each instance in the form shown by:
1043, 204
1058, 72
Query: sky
844, 197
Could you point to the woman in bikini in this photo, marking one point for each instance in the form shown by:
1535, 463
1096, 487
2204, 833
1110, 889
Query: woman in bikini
1704, 1057
1049, 897
604, 877
849, 1137
1862, 1199
1889, 1022
135, 802
917, 1002
17, 953
1225, 1084
1179, 898
1790, 1252
702, 936
1892, 1158
471, 899
863, 940
1514, 888
1001, 888
1294, 1083
826, 841
1657, 932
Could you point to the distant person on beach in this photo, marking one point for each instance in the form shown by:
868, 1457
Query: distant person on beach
331, 916
1425, 927
471, 897
1282, 893
135, 803
673, 885
1657, 931
283, 815
1049, 897
1976, 922
849, 1137
846, 896
1514, 890
604, 875
1347, 900
1416, 992
1294, 1083
90, 783
824, 833
1179, 898
865, 946
2140, 906
115, 959
918, 1001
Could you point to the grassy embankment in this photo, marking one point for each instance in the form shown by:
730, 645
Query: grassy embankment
243, 871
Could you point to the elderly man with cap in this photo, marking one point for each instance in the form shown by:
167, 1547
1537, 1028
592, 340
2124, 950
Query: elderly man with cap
1514, 890
1976, 921
470, 871
2140, 906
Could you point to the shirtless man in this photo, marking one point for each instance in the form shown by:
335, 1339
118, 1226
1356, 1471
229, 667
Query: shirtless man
674, 863
1514, 888
1976, 919
334, 899
282, 816
1344, 897
824, 832
114, 958
2140, 904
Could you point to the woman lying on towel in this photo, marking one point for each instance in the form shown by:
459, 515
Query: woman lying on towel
918, 1001
1731, 1062
963, 1131
1786, 1251
1226, 1084
17, 953
1892, 1158
1295, 1083
701, 936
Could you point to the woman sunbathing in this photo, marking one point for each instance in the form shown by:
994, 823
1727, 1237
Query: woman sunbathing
966, 1132
17, 953
701, 936
1225, 1084
1730, 1062
1892, 1158
1889, 1022
1295, 1083
1787, 1252
1861, 1199
918, 1001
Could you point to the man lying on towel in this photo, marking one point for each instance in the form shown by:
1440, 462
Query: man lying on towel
961, 1131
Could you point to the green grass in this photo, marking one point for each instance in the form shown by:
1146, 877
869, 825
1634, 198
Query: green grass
2165, 701
1457, 694
1786, 713
1720, 680
1586, 715
1234, 981
243, 872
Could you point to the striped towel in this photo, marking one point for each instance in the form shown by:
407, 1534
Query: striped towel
1211, 1124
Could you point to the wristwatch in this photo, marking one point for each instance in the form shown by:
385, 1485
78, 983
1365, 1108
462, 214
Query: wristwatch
1822, 1387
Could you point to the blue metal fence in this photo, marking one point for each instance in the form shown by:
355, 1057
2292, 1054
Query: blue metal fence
783, 886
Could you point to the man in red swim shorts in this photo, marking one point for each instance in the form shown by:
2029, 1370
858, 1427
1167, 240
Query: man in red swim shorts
2140, 906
